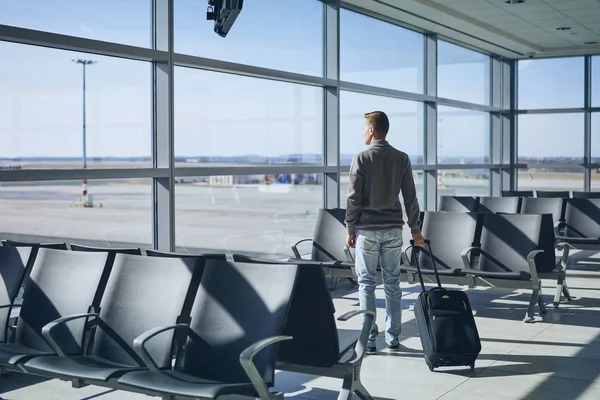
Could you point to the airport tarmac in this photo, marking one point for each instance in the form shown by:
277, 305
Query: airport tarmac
255, 219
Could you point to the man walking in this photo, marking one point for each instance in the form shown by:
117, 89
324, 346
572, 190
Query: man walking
374, 220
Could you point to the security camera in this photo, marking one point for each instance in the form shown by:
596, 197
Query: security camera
530, 55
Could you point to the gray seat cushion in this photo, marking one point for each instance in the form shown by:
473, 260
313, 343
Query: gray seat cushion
179, 383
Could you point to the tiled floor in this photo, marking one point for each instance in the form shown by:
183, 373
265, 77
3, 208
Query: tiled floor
554, 358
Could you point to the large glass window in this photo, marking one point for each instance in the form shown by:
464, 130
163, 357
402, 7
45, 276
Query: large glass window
550, 138
463, 136
595, 81
51, 212
463, 182
118, 21
225, 118
406, 124
550, 179
595, 150
550, 83
377, 53
463, 74
258, 215
278, 34
42, 109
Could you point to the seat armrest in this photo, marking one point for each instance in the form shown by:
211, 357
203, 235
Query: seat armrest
295, 247
47, 330
533, 265
465, 256
557, 227
364, 333
348, 254
246, 359
405, 254
139, 343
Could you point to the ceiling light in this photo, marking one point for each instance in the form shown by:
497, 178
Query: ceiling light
563, 28
514, 1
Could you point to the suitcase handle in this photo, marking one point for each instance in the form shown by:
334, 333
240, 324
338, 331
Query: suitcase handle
437, 277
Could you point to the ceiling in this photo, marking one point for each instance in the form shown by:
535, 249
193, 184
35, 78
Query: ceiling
511, 30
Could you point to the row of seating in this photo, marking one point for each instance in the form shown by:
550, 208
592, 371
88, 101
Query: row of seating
473, 249
550, 194
172, 325
576, 220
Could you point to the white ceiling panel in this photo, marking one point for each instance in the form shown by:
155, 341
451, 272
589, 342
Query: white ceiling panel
512, 30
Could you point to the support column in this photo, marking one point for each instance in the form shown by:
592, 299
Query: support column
331, 145
496, 136
587, 126
511, 128
163, 190
430, 124
507, 121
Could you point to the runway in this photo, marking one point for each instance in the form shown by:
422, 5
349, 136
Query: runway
256, 219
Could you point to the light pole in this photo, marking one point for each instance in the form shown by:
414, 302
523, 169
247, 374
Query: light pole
84, 63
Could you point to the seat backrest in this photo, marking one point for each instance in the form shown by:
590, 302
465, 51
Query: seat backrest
586, 195
509, 238
311, 318
565, 194
144, 293
114, 250
508, 205
13, 264
329, 236
168, 254
61, 283
449, 234
15, 243
582, 218
548, 205
458, 203
237, 305
517, 193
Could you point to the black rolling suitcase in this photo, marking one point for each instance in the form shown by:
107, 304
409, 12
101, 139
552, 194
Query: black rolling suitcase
446, 325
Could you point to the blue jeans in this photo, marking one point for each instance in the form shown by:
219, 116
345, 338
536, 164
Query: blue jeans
383, 248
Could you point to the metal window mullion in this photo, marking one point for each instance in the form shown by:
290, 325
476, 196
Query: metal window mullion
33, 37
512, 130
331, 139
587, 124
495, 123
163, 189
430, 123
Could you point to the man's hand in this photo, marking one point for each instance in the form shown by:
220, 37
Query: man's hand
418, 239
351, 240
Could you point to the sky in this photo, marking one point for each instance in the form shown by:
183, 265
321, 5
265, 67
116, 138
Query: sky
219, 114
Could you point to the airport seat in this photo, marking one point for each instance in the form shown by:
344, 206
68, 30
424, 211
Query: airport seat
517, 193
328, 241
169, 254
141, 293
60, 283
317, 346
458, 203
544, 205
586, 195
581, 224
565, 194
448, 234
13, 264
515, 251
506, 205
231, 340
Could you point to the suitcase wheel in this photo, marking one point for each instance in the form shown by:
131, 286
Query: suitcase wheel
472, 366
431, 367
